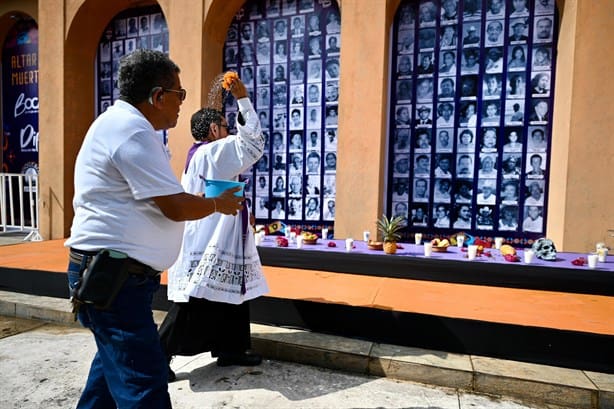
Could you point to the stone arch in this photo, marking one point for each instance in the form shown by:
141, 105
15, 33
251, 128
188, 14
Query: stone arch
85, 25
14, 8
217, 19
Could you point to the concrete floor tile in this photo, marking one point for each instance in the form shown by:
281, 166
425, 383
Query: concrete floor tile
318, 341
423, 357
535, 391
606, 400
531, 372
11, 325
324, 358
378, 366
45, 314
605, 384
8, 296
7, 308
468, 401
432, 375
422, 365
533, 382
603, 381
265, 347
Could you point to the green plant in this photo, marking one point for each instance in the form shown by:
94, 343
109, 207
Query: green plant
390, 228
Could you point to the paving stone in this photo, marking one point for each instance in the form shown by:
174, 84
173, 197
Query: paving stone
45, 314
314, 340
7, 296
11, 325
322, 357
603, 381
534, 383
605, 384
7, 308
421, 365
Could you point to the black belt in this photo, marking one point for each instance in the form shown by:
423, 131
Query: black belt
134, 266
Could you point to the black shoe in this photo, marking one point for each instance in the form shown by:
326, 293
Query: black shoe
247, 358
171, 375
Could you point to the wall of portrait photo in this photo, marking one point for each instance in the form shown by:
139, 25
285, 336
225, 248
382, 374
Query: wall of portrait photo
287, 54
471, 115
138, 28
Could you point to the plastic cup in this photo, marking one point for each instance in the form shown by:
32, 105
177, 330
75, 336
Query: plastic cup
460, 240
324, 234
348, 244
214, 188
258, 239
472, 251
293, 236
528, 256
428, 249
366, 235
602, 254
592, 260
418, 238
498, 242
299, 242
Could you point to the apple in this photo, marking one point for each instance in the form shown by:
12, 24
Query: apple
511, 258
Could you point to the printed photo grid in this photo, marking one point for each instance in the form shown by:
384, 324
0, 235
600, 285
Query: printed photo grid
287, 54
140, 28
471, 105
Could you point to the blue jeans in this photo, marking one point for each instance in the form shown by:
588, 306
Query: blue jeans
129, 370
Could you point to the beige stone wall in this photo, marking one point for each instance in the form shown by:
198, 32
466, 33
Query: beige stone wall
582, 191
580, 198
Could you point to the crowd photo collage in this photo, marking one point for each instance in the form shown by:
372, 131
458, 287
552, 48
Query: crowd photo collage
471, 107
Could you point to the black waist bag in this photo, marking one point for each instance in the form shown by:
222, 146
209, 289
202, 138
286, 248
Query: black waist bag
103, 278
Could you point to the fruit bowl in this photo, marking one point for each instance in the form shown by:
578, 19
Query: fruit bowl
440, 245
309, 238
375, 245
440, 249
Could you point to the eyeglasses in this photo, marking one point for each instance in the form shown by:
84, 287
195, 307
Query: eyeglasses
182, 92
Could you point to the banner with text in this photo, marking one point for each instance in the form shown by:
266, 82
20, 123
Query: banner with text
20, 99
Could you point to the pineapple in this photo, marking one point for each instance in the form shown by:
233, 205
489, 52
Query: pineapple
390, 228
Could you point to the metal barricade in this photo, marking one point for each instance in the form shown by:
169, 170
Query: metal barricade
19, 204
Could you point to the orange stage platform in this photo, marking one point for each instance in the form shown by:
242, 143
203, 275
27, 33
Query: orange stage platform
575, 312
583, 314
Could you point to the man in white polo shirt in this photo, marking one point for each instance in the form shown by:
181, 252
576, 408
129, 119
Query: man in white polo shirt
129, 212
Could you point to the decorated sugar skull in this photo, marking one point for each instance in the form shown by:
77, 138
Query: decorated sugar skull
544, 249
